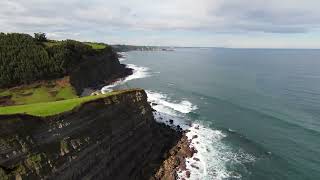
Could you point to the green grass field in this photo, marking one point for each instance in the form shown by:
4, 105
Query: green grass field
51, 108
39, 93
51, 43
96, 45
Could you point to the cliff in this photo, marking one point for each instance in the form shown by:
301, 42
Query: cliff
101, 68
114, 137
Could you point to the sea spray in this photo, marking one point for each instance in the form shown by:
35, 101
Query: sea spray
122, 56
138, 73
212, 156
162, 101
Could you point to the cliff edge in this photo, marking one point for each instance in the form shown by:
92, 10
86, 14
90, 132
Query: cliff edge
101, 68
114, 137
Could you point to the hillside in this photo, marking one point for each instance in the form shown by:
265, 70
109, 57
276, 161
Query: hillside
24, 60
33, 70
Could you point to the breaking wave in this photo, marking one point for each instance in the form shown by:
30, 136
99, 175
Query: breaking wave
213, 156
138, 73
123, 56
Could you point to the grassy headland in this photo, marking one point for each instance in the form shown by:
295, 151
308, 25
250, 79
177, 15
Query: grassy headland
44, 77
46, 91
93, 45
51, 108
96, 45
32, 68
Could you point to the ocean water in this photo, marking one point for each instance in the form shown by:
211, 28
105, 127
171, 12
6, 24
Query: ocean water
256, 112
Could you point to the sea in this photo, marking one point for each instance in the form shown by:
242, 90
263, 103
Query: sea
256, 112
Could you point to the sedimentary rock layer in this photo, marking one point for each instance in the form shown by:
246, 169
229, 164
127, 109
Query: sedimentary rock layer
110, 138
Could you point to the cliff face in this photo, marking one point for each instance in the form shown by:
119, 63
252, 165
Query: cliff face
111, 138
97, 70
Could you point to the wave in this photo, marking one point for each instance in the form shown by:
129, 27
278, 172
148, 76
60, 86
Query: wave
162, 101
123, 56
121, 59
138, 73
213, 156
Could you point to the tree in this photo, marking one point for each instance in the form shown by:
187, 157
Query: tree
23, 59
41, 37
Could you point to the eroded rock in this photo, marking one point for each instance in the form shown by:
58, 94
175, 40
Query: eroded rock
112, 138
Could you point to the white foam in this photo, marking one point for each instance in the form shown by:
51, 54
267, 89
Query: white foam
163, 102
212, 153
165, 118
138, 73
206, 153
121, 59
123, 56
214, 156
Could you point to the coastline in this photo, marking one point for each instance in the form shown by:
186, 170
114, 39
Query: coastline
51, 148
97, 89
175, 163
205, 143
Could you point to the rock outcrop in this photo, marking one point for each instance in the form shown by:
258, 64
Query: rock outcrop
175, 161
110, 138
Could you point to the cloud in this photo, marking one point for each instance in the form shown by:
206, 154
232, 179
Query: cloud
87, 18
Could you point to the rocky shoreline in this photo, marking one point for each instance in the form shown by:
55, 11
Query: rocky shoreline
176, 161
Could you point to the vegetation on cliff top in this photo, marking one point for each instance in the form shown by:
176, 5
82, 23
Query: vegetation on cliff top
31, 66
97, 45
24, 59
52, 108
43, 77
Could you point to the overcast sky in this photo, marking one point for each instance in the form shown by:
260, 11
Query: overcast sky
219, 23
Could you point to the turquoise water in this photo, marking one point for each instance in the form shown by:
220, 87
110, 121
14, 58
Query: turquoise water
259, 110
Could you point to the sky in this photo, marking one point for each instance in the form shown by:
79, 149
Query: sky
205, 23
